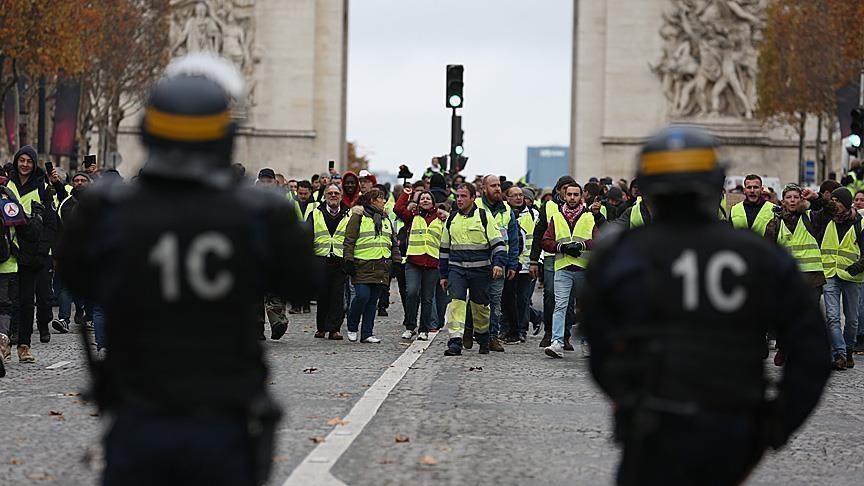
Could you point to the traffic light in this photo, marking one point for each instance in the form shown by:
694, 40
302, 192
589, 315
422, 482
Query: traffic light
456, 147
857, 131
454, 97
459, 163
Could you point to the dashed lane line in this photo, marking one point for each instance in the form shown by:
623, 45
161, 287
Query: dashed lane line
315, 468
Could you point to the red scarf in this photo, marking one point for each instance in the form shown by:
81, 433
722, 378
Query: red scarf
571, 214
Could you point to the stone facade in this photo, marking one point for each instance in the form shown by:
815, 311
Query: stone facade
640, 65
293, 56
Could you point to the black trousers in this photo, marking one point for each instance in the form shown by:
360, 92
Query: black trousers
705, 449
331, 296
34, 291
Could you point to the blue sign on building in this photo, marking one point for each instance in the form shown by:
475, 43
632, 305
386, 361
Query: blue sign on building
546, 164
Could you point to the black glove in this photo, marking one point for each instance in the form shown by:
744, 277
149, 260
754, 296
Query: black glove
348, 267
855, 268
573, 249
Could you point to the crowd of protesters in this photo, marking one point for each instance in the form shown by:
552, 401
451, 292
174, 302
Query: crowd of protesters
465, 255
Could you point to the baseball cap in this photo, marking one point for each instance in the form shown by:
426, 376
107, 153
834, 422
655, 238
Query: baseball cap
266, 172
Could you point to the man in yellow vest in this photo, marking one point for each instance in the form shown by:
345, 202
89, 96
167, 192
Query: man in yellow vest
304, 205
274, 306
754, 212
473, 254
516, 300
547, 271
329, 220
570, 236
843, 260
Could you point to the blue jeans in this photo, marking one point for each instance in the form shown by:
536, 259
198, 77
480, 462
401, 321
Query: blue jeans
420, 286
65, 300
496, 290
99, 327
364, 306
440, 301
861, 310
842, 341
524, 292
144, 448
567, 283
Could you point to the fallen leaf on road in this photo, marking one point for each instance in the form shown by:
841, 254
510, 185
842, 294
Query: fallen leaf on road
343, 395
400, 438
386, 461
428, 460
310, 370
55, 413
41, 477
475, 368
15, 462
337, 421
317, 439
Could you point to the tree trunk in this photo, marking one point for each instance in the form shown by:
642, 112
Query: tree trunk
829, 152
801, 134
818, 141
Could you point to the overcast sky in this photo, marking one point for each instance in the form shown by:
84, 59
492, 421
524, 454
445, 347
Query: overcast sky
517, 58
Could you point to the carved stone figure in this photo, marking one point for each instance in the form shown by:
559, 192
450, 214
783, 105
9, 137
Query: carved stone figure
708, 66
225, 27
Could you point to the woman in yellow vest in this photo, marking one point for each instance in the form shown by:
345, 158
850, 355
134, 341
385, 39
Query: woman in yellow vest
424, 225
843, 261
27, 182
369, 252
329, 220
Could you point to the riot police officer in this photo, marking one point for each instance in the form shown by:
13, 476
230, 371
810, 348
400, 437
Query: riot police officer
676, 314
178, 260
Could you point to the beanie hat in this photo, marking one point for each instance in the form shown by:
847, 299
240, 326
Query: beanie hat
437, 181
82, 174
615, 193
528, 193
29, 151
843, 195
563, 181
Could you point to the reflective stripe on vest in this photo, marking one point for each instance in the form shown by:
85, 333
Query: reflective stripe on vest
802, 245
837, 255
324, 243
582, 231
527, 223
370, 246
423, 239
739, 218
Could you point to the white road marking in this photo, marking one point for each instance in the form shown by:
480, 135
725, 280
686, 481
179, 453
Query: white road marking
315, 468
57, 365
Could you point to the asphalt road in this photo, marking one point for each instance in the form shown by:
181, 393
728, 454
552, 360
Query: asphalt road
513, 418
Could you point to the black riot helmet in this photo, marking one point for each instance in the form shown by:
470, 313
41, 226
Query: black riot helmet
187, 124
679, 172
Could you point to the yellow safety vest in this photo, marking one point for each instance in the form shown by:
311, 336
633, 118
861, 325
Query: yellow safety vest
10, 265
636, 219
582, 231
304, 216
551, 209
27, 200
425, 239
502, 220
326, 244
838, 255
802, 245
721, 211
739, 217
370, 246
527, 223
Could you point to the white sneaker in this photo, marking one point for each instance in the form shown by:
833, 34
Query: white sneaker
408, 334
555, 350
352, 336
586, 350
423, 336
371, 340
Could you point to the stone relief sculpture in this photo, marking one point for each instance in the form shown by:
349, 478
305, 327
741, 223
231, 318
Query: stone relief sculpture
225, 27
710, 51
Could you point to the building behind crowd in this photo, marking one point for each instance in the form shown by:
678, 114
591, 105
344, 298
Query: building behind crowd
545, 165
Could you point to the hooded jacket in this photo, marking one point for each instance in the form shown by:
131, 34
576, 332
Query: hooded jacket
350, 200
36, 182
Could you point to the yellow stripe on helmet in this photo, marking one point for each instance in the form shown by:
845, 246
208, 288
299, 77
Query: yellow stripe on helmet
186, 128
677, 161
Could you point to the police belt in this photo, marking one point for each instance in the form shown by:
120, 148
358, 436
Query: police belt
684, 371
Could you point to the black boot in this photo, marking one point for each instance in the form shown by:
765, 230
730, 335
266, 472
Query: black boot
454, 347
468, 339
546, 341
483, 341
